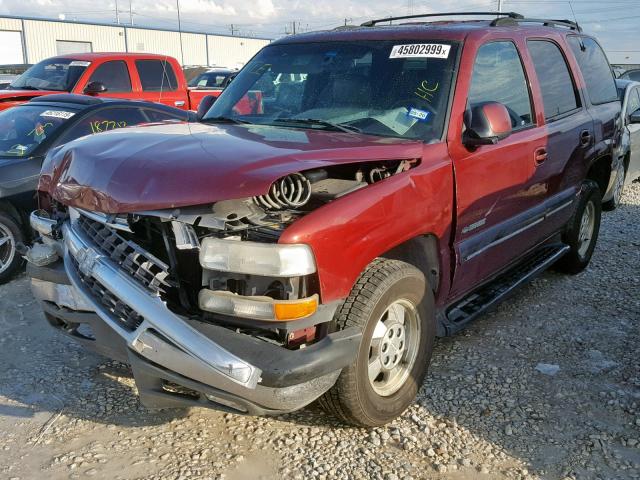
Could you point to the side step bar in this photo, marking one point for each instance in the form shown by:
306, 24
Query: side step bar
458, 315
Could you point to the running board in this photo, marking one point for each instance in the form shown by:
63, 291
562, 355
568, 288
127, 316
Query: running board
462, 312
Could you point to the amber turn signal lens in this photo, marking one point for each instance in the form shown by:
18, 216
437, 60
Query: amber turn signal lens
296, 310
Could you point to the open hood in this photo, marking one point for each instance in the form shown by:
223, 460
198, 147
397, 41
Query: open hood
170, 166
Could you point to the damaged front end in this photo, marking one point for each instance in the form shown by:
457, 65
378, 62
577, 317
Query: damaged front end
203, 302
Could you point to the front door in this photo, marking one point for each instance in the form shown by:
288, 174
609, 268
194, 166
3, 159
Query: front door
633, 105
493, 181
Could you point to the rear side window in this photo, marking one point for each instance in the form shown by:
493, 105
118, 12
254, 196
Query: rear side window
156, 75
498, 76
558, 93
104, 120
595, 69
113, 75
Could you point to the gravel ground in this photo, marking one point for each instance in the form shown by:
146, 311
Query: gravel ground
547, 386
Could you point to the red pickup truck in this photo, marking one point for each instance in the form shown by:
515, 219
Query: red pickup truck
135, 76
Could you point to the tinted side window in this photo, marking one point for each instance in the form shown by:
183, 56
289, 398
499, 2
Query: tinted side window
160, 116
595, 69
104, 120
634, 101
114, 75
558, 93
156, 75
498, 76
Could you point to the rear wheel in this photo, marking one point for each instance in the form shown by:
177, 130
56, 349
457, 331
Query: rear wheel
393, 305
10, 235
582, 231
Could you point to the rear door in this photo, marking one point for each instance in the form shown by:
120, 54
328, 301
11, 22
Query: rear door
568, 126
633, 104
159, 83
494, 201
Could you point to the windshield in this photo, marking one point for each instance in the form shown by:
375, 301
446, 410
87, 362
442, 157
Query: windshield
24, 128
379, 88
59, 74
210, 80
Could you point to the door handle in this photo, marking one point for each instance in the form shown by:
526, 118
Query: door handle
179, 103
585, 138
540, 156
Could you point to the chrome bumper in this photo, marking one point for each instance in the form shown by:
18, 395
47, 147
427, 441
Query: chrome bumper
185, 350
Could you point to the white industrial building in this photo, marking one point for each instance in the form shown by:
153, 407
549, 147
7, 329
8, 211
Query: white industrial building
30, 40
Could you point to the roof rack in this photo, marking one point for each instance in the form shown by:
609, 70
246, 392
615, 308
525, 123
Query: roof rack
509, 15
503, 19
547, 23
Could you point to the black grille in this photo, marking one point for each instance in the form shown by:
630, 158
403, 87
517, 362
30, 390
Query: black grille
147, 270
120, 311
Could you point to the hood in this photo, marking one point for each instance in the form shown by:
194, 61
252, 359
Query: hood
9, 98
171, 166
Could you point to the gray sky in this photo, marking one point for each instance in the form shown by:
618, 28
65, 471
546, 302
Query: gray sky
614, 22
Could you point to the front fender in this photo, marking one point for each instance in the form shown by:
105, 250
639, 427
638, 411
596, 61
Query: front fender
348, 233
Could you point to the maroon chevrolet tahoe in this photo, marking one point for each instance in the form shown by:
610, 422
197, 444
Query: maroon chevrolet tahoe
392, 183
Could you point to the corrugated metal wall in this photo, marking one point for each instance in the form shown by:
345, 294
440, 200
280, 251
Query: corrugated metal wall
233, 52
41, 38
40, 41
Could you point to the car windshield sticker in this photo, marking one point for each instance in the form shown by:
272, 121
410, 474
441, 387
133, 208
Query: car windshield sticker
99, 126
39, 133
57, 114
421, 50
426, 91
78, 63
397, 120
420, 115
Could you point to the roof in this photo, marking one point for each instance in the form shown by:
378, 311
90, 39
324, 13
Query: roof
85, 101
454, 30
624, 83
129, 27
100, 55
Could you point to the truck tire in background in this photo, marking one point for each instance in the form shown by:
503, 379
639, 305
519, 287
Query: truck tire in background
393, 304
582, 230
10, 235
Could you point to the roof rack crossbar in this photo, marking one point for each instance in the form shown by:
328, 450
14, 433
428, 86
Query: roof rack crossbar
511, 15
546, 22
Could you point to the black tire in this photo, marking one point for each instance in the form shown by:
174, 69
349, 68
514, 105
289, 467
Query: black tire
10, 260
385, 282
579, 256
612, 204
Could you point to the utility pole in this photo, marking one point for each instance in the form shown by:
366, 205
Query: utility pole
233, 29
180, 32
294, 27
117, 13
500, 6
130, 12
410, 5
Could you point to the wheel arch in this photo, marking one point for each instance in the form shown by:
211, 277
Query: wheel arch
422, 253
600, 172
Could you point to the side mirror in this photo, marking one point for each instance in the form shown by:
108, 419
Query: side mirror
94, 88
205, 105
635, 117
487, 123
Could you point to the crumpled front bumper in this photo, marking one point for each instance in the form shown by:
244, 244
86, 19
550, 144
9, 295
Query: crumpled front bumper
210, 365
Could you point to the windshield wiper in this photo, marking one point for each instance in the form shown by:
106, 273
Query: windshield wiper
340, 127
26, 87
225, 120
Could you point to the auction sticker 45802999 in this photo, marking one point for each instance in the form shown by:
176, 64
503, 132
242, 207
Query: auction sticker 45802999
421, 50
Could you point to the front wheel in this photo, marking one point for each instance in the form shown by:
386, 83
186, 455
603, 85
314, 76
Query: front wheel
582, 230
10, 236
618, 188
393, 304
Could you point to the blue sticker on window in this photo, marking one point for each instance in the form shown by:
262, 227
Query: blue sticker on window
420, 115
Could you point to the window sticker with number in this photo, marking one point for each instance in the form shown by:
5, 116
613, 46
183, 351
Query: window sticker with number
57, 114
421, 50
